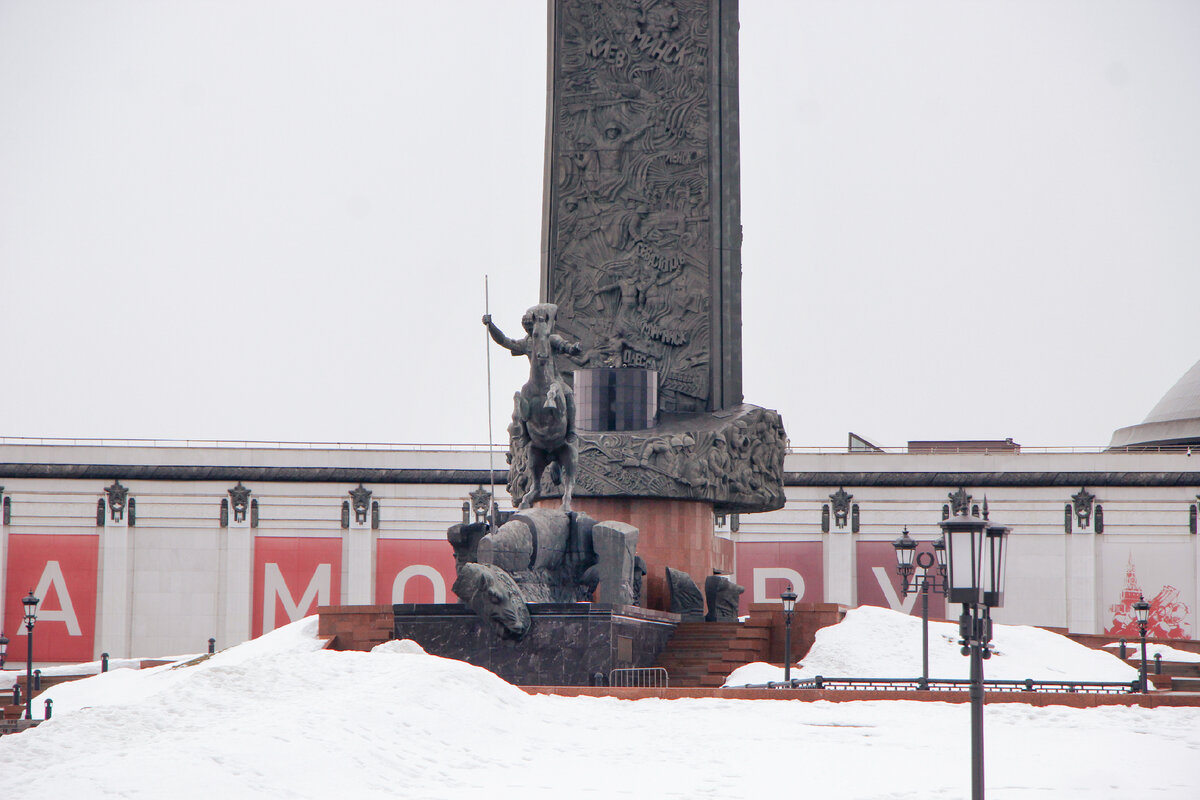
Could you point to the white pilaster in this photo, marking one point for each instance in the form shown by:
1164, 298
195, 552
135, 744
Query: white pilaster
1195, 620
237, 583
116, 585
1081, 583
358, 563
3, 559
839, 567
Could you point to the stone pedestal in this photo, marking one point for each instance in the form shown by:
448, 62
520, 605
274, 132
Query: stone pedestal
567, 643
671, 533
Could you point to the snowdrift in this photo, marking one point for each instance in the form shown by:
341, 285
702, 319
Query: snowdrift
876, 642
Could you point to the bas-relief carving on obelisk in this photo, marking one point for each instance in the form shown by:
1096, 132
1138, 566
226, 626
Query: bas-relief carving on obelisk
641, 227
642, 241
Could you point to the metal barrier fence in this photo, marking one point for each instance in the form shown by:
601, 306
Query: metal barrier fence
946, 685
641, 677
502, 447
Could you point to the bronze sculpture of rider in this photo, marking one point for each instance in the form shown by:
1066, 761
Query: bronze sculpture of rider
545, 406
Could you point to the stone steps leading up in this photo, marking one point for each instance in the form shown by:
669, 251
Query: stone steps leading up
702, 654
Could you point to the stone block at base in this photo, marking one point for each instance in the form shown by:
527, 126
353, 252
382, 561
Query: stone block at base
567, 644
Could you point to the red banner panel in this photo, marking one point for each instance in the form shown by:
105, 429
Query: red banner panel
292, 576
61, 571
766, 569
414, 571
879, 583
1168, 613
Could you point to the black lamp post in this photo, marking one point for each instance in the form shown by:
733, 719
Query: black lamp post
906, 548
789, 604
3, 649
30, 602
1142, 609
976, 562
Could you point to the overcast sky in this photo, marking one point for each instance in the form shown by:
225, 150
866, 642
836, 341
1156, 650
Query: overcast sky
272, 220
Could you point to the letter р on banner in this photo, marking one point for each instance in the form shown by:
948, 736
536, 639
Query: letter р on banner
766, 569
292, 576
61, 571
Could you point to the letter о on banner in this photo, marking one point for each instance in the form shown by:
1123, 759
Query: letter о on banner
414, 571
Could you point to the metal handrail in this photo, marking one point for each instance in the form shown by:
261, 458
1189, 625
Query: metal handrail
503, 446
948, 685
247, 444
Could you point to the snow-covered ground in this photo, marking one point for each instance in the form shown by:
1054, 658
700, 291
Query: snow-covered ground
876, 642
281, 718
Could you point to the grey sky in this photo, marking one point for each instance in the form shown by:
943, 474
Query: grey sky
271, 220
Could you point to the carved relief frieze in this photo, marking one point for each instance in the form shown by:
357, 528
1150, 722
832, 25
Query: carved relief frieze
736, 461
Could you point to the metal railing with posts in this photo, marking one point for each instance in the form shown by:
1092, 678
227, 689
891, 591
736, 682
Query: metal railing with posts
948, 685
945, 449
640, 677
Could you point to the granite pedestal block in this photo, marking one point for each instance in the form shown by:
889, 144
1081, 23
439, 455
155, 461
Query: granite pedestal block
566, 645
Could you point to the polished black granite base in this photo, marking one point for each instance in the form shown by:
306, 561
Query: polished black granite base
566, 646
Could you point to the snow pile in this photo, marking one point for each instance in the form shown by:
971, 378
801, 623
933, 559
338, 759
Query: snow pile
280, 717
876, 642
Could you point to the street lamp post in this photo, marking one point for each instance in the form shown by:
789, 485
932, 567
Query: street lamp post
906, 548
789, 604
30, 603
1142, 609
976, 562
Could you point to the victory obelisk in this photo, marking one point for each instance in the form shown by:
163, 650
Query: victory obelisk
641, 255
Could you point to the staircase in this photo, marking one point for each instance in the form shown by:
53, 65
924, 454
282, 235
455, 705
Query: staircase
701, 654
1176, 676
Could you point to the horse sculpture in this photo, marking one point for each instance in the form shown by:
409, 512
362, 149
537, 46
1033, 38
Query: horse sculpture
544, 409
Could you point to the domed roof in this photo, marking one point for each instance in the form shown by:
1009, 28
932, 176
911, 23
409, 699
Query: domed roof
1175, 420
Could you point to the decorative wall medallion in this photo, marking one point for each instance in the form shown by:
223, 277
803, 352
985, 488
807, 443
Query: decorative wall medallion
481, 501
1082, 501
841, 506
118, 496
240, 496
960, 501
361, 498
